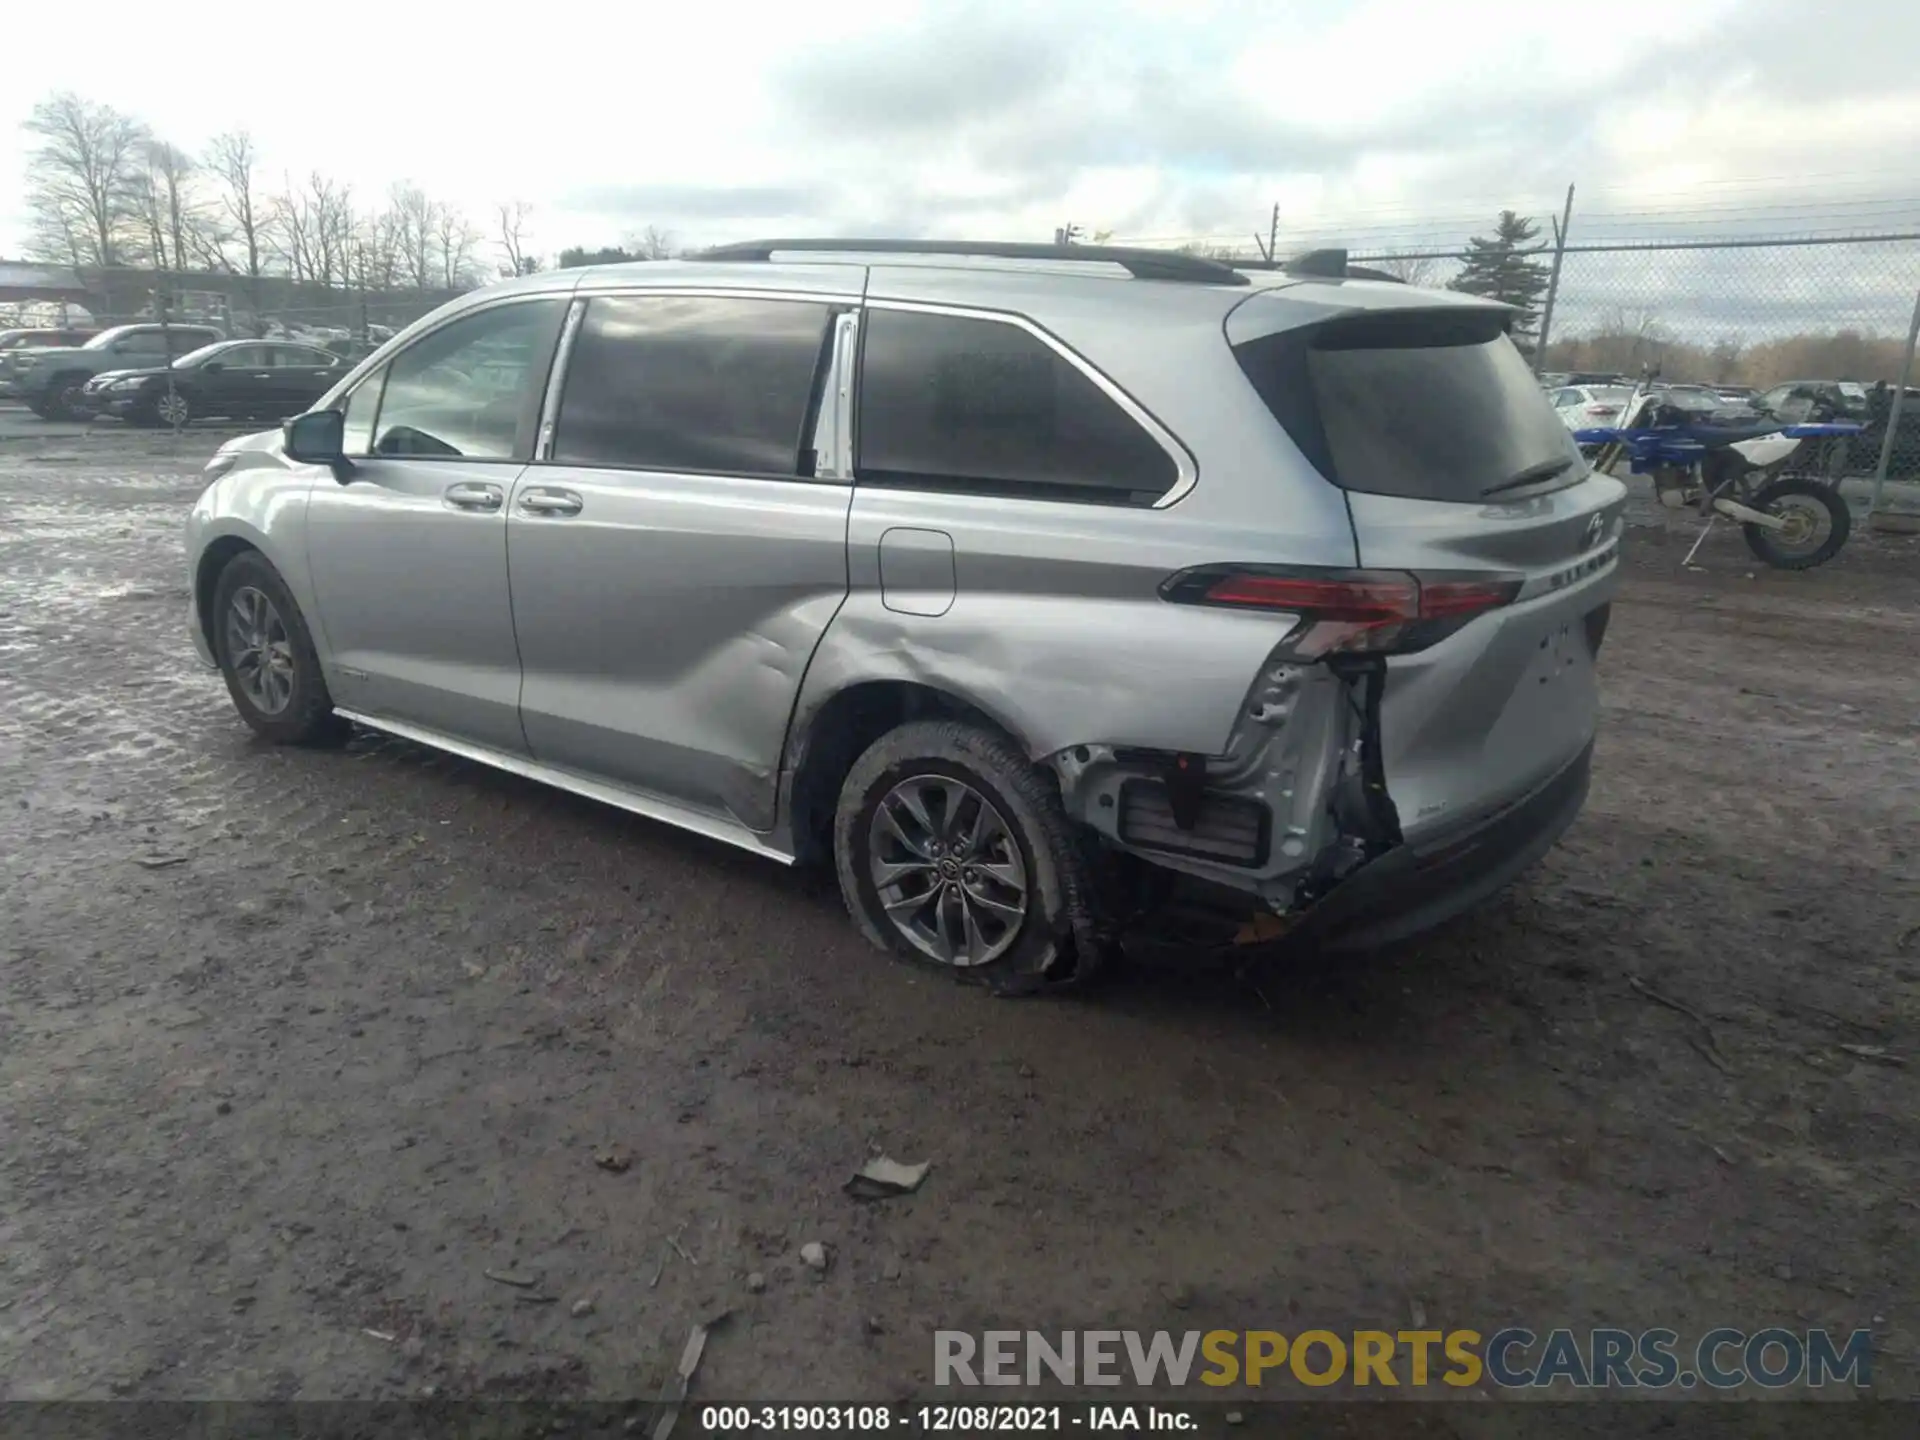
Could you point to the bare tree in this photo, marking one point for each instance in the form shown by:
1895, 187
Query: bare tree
169, 208
84, 178
231, 160
455, 239
290, 232
1411, 268
513, 224
654, 243
331, 206
415, 219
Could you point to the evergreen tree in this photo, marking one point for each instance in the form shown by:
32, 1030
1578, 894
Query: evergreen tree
1504, 267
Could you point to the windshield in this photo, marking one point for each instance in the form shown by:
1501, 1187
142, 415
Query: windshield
194, 357
104, 340
1429, 405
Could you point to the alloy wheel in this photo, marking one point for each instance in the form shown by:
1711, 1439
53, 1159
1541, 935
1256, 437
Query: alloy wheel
259, 650
947, 870
172, 409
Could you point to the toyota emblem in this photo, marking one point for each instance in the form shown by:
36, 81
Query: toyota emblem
1595, 531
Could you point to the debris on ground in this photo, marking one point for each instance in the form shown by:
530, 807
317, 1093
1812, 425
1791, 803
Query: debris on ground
756, 1282
580, 1308
1709, 1050
513, 1278
1878, 1054
616, 1159
160, 862
681, 1250
675, 1390
815, 1257
379, 1335
881, 1178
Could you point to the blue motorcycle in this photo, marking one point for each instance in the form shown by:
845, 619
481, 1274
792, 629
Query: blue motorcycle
1736, 463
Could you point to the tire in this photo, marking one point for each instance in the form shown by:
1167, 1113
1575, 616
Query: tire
304, 714
1056, 940
64, 397
1804, 494
175, 411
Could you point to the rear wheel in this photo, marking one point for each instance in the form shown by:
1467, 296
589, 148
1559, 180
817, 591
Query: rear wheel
267, 657
66, 398
1817, 523
953, 851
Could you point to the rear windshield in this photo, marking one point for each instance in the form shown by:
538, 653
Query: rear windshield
1429, 405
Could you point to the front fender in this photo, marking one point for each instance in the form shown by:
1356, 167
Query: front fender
259, 504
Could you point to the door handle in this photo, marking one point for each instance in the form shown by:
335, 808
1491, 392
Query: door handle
546, 500
472, 495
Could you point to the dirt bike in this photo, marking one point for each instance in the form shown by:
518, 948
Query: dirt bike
1737, 463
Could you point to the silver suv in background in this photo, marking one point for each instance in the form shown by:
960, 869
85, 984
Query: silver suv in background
1038, 591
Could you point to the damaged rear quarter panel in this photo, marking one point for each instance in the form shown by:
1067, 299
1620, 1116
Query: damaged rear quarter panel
1056, 628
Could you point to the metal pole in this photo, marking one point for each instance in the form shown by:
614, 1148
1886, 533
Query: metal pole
1893, 415
1560, 228
1273, 232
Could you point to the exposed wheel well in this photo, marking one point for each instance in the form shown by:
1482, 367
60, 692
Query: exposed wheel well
213, 560
840, 733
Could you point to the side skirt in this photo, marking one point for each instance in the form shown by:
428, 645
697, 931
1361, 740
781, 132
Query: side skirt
637, 802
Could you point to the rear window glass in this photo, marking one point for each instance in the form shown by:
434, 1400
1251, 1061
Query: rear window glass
1425, 405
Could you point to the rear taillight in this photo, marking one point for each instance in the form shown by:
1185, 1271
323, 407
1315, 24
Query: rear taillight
1379, 612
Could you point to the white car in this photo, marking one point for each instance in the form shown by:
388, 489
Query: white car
1582, 407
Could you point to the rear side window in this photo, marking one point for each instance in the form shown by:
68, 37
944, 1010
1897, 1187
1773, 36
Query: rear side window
954, 403
687, 382
1421, 404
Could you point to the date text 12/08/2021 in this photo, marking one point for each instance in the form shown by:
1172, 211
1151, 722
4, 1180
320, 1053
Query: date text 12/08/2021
946, 1419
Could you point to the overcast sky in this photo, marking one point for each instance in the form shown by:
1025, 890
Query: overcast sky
1386, 123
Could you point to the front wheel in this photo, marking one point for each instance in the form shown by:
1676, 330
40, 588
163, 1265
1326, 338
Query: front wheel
953, 850
1817, 523
267, 657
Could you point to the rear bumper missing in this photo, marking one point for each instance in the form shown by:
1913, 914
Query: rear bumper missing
1416, 887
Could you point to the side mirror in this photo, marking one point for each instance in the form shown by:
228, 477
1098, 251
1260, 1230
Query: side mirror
317, 438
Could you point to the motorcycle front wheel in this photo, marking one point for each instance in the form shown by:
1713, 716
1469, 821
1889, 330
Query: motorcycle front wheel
1817, 523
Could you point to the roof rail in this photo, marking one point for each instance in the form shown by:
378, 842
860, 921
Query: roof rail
1141, 264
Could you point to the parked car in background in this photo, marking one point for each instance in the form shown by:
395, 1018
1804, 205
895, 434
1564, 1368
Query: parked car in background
235, 379
1735, 394
53, 380
1798, 401
1581, 407
55, 338
1071, 620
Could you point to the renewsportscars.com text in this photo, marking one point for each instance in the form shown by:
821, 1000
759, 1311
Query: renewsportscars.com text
1605, 1358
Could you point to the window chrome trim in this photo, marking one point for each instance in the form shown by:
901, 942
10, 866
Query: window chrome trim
556, 374
1186, 470
631, 291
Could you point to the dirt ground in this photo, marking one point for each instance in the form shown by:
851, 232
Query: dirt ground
296, 1048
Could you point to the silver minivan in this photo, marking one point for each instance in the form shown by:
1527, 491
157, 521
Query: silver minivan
1044, 593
